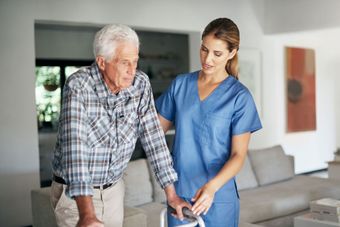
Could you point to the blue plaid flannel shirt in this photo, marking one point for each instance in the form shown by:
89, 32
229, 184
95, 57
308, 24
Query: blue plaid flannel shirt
98, 131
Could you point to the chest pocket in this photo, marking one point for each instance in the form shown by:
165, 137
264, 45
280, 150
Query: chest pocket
100, 131
215, 129
127, 124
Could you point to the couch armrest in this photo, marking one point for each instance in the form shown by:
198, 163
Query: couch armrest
246, 224
291, 160
42, 212
134, 217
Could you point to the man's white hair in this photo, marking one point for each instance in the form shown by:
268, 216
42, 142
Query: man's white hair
106, 39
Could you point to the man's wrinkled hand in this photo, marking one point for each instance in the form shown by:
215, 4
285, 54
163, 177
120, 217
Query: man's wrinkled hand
177, 203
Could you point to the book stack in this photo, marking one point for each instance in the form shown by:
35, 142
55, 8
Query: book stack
326, 209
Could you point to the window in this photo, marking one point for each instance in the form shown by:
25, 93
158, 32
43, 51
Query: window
50, 79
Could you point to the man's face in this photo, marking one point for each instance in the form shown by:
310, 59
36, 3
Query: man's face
119, 72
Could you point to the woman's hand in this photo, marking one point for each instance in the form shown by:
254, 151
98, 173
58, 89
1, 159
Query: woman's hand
203, 199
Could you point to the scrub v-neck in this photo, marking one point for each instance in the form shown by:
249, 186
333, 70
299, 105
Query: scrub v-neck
211, 93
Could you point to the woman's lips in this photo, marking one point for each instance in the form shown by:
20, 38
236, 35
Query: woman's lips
206, 66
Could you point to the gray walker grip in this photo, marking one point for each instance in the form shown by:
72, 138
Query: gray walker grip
188, 215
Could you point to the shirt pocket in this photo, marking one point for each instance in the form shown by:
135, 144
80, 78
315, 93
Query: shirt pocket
127, 124
100, 130
215, 129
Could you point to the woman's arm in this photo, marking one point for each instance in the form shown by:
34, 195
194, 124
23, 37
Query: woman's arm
205, 195
166, 125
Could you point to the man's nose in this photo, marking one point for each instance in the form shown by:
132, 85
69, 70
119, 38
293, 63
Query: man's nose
132, 69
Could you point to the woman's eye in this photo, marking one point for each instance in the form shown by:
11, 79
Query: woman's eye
218, 54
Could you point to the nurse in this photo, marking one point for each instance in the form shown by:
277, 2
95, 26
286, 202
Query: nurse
214, 115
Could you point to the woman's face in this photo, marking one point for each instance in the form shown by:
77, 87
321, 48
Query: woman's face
214, 55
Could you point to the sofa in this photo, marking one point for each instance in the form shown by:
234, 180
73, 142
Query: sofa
270, 193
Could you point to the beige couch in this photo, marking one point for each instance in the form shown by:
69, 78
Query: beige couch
270, 193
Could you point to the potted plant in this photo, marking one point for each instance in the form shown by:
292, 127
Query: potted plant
51, 82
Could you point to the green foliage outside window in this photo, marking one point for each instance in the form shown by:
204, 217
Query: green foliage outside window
47, 93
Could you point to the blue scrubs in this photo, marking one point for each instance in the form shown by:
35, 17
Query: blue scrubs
202, 142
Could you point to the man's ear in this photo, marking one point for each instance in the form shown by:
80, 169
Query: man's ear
232, 54
100, 62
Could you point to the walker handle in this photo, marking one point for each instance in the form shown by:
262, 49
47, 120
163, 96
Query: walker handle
187, 213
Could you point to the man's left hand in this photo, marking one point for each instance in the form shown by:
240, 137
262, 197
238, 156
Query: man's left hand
175, 201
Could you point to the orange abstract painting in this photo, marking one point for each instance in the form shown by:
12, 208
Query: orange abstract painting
300, 75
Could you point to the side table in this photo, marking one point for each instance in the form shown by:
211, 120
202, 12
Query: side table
307, 220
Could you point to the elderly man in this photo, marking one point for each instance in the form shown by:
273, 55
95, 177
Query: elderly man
105, 108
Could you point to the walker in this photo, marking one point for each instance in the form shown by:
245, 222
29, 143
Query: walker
188, 215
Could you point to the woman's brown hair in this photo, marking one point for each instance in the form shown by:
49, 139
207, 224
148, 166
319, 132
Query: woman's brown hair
226, 30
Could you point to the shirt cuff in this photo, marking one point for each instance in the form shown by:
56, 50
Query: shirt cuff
166, 177
79, 189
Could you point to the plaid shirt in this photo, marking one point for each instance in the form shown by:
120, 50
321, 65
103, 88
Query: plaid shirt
98, 131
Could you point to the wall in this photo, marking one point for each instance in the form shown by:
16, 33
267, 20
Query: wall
18, 133
294, 16
311, 24
337, 107
19, 162
311, 149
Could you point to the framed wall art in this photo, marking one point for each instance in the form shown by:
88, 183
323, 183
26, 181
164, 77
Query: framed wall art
300, 81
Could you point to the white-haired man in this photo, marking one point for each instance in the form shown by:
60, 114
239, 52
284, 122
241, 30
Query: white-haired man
105, 108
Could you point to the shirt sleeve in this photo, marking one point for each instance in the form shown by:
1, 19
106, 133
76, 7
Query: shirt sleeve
245, 118
165, 104
153, 140
73, 126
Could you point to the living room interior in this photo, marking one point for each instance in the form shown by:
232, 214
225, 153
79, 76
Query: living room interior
267, 27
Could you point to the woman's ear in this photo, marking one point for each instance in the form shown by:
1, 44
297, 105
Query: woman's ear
232, 54
100, 62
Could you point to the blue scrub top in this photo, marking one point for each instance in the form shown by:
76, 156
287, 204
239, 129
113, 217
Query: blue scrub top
204, 129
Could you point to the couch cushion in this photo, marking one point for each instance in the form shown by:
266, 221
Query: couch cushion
271, 165
272, 201
286, 197
138, 188
153, 212
245, 178
42, 212
134, 217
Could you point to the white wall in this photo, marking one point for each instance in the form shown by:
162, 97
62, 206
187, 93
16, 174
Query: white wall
311, 149
18, 133
337, 107
19, 161
300, 15
312, 24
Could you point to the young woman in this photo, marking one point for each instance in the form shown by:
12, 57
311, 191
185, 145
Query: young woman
214, 115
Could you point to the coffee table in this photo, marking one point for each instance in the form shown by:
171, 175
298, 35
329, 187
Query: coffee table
306, 220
